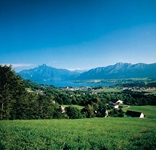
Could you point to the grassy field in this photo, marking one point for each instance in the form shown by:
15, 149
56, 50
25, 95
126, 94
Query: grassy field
113, 90
96, 133
149, 111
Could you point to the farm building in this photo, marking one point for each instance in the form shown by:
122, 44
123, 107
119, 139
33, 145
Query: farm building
106, 113
119, 102
130, 113
62, 109
115, 104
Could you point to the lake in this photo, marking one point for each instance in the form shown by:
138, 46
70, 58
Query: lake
81, 84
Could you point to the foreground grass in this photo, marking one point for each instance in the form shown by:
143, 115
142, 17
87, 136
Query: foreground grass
96, 133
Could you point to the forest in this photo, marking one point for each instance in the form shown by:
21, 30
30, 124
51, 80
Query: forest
23, 99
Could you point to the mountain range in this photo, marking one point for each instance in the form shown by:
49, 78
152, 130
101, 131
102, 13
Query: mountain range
44, 74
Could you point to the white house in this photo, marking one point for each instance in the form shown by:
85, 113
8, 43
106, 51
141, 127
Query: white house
63, 109
106, 113
142, 115
119, 102
116, 106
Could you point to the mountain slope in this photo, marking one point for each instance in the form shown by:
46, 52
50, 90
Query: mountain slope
120, 70
47, 75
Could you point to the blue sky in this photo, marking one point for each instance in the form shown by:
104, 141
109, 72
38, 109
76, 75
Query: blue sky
77, 33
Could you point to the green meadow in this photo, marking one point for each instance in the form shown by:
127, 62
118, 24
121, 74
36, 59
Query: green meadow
149, 111
95, 133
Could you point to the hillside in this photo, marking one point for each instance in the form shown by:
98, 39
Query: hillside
48, 75
97, 133
121, 70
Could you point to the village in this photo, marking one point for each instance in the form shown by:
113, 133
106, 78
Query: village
111, 88
98, 101
73, 94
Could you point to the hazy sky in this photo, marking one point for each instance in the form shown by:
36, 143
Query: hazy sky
77, 33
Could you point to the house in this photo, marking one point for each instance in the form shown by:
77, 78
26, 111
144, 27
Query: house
113, 105
116, 105
131, 113
106, 113
119, 102
62, 109
40, 92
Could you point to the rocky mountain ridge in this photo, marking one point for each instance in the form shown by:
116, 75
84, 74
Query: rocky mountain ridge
44, 74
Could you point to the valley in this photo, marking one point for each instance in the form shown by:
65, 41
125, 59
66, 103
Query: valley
41, 116
103, 76
77, 74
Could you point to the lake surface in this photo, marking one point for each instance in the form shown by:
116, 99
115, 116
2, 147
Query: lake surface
80, 84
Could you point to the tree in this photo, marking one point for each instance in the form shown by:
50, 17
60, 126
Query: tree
120, 113
73, 112
11, 92
101, 110
89, 111
116, 113
45, 107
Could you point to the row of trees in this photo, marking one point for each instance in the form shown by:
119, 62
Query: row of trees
89, 112
87, 97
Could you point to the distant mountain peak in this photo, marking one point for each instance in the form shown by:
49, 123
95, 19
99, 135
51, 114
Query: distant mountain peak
43, 65
121, 63
121, 70
44, 74
48, 75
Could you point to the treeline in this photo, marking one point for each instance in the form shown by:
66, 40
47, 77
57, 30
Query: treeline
23, 99
140, 83
84, 98
139, 98
17, 103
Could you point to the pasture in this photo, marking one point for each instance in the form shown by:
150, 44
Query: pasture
96, 133
149, 111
